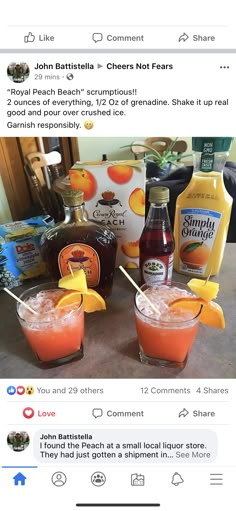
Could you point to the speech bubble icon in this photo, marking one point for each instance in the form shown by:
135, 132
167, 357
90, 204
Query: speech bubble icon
97, 37
97, 412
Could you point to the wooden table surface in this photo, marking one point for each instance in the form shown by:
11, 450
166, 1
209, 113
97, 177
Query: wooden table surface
110, 344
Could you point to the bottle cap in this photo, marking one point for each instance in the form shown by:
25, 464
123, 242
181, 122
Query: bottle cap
159, 194
211, 144
70, 197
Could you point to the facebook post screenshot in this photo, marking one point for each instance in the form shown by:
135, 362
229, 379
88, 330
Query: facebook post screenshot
117, 256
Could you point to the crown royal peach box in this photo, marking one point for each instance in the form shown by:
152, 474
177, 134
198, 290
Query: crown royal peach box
114, 194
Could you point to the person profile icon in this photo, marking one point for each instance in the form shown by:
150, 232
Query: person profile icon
18, 72
59, 478
18, 441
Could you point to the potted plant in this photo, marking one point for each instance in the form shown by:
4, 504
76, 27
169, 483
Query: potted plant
159, 164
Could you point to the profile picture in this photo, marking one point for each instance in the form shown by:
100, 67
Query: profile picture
18, 72
18, 440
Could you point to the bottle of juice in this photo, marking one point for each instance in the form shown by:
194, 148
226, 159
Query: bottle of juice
203, 211
79, 243
156, 245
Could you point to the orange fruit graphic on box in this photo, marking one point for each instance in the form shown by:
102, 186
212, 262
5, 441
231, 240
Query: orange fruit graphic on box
82, 179
120, 174
131, 248
130, 264
137, 201
194, 254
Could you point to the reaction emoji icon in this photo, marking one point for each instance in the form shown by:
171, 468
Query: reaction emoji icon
20, 390
88, 125
29, 390
11, 390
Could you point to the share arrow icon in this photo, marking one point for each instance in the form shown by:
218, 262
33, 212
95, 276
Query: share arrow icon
184, 37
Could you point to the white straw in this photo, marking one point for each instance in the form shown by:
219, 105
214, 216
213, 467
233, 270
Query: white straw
19, 300
139, 290
71, 271
207, 279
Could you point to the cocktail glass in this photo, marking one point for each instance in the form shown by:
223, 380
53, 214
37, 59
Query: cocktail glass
166, 338
55, 334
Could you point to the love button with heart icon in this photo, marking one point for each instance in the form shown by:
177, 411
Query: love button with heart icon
28, 413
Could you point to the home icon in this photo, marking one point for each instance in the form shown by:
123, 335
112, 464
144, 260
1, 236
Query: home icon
19, 479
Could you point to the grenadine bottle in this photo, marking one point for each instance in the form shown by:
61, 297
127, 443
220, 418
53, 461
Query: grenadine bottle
156, 245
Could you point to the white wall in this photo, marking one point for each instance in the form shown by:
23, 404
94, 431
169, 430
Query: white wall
92, 149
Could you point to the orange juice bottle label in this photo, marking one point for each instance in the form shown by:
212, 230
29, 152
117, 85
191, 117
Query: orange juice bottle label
197, 233
79, 256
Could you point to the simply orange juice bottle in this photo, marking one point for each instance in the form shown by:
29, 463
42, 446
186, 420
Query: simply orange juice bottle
203, 211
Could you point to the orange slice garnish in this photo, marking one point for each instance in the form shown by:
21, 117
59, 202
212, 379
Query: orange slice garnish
211, 313
69, 298
92, 301
190, 303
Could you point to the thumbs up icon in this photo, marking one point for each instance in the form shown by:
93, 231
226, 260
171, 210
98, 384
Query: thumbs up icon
29, 38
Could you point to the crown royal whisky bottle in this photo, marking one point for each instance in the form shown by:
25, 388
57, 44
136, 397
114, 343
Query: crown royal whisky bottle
79, 243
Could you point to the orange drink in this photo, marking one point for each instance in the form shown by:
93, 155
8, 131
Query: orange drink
166, 336
203, 211
55, 334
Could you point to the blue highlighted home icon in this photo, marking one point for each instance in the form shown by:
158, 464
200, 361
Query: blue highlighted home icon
19, 479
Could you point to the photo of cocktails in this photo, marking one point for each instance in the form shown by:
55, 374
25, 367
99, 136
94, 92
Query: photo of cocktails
114, 264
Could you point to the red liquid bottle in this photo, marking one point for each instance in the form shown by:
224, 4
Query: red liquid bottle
156, 245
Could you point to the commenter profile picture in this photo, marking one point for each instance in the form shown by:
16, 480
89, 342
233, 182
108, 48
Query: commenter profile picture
18, 440
18, 72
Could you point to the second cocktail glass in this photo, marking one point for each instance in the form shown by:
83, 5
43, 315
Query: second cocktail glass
166, 338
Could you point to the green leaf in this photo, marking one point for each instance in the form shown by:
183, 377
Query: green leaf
175, 157
172, 145
161, 159
192, 246
151, 157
